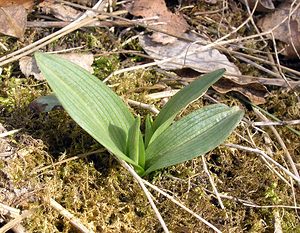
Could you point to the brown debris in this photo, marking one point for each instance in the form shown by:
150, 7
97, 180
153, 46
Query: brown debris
262, 5
60, 11
169, 22
27, 4
288, 30
13, 20
254, 91
29, 67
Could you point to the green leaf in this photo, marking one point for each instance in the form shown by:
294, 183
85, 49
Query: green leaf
148, 129
193, 135
142, 153
184, 97
93, 105
135, 145
45, 103
133, 148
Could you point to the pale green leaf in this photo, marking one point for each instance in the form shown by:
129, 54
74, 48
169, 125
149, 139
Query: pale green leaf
134, 134
184, 97
193, 135
142, 153
148, 129
93, 105
135, 145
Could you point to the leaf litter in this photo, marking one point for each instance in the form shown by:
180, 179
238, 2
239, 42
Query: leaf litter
29, 67
13, 21
165, 21
192, 55
288, 30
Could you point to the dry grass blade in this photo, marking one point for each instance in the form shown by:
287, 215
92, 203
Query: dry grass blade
182, 206
73, 220
279, 139
147, 193
263, 154
213, 184
8, 133
279, 123
67, 160
16, 221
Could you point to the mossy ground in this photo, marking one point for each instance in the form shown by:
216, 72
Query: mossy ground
100, 192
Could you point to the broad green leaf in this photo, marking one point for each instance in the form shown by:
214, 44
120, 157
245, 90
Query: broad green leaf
93, 105
184, 97
193, 135
159, 130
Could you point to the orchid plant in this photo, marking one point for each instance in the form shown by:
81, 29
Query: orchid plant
165, 142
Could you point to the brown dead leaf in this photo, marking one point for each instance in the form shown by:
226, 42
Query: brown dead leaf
262, 5
13, 16
188, 55
251, 88
254, 91
29, 67
13, 20
166, 21
85, 2
60, 11
27, 4
288, 31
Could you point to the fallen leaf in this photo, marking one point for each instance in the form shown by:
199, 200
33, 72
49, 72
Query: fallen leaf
60, 11
188, 55
13, 16
27, 4
287, 31
45, 104
255, 92
87, 2
29, 67
166, 21
13, 20
262, 5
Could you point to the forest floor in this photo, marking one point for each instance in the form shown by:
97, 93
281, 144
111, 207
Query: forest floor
51, 160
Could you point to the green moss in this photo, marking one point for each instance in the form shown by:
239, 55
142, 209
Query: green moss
104, 66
